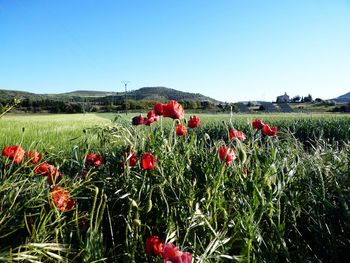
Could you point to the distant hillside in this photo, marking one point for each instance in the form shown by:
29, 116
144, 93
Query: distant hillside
8, 94
146, 93
88, 93
343, 98
164, 94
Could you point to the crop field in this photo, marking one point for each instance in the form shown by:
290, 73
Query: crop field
61, 131
95, 188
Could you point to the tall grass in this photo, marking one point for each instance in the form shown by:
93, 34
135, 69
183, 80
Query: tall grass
277, 202
45, 132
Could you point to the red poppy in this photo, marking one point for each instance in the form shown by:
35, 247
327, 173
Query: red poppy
138, 120
151, 114
233, 133
94, 160
148, 161
172, 254
173, 110
158, 108
14, 152
226, 154
154, 246
132, 160
267, 130
151, 117
45, 169
258, 124
34, 157
61, 199
194, 122
181, 130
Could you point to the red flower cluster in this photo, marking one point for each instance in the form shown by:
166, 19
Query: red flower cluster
172, 110
14, 153
226, 154
233, 133
93, 160
266, 129
169, 252
194, 122
148, 161
61, 199
181, 130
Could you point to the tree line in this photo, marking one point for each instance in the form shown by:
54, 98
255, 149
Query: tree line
81, 105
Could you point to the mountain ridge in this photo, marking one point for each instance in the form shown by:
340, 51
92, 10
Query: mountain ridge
343, 98
144, 93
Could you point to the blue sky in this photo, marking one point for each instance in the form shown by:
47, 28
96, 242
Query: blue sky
230, 50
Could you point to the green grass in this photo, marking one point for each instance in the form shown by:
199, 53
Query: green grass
47, 131
292, 204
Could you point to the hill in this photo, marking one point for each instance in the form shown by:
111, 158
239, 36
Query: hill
145, 93
87, 93
343, 98
164, 94
8, 94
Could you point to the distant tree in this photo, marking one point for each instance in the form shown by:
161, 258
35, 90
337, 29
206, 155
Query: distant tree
308, 98
74, 108
186, 104
251, 104
296, 98
318, 100
207, 105
194, 104
221, 107
262, 108
94, 109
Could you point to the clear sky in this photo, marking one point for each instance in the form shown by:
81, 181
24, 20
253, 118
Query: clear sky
230, 50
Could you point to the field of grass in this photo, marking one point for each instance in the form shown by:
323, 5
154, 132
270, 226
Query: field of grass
59, 131
47, 131
283, 198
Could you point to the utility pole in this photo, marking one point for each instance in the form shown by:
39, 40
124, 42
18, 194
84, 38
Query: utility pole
125, 82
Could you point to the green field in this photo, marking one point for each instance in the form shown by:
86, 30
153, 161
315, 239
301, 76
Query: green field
48, 131
283, 198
